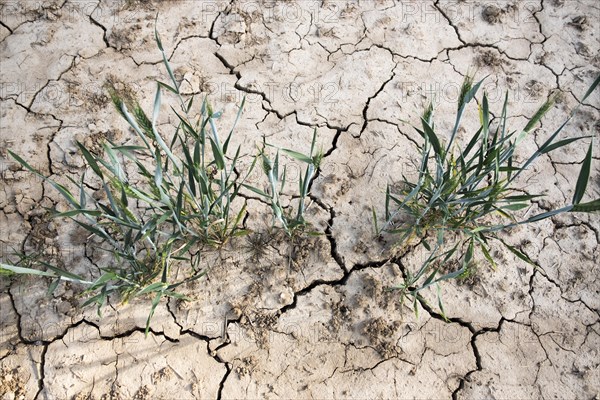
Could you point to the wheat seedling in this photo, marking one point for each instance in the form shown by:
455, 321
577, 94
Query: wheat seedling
458, 191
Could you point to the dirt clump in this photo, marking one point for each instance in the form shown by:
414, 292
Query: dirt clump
12, 383
493, 14
341, 314
307, 250
165, 373
580, 23
380, 333
488, 58
256, 245
143, 393
247, 366
261, 323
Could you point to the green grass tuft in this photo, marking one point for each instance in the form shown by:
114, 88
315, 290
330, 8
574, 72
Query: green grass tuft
460, 192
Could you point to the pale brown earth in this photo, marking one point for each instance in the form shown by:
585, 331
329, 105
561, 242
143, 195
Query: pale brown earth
320, 325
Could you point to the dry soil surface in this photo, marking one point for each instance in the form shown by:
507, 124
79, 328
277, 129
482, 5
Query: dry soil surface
319, 324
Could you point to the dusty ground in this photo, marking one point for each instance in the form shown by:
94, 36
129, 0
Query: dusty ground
321, 326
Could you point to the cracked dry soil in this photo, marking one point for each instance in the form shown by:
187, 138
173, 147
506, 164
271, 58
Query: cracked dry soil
319, 324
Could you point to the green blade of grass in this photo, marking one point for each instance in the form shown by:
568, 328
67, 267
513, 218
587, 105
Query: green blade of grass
591, 89
441, 303
537, 117
591, 206
256, 190
237, 117
157, 136
467, 94
82, 194
518, 253
60, 188
523, 197
156, 36
98, 232
432, 137
584, 176
374, 216
123, 110
298, 156
72, 213
90, 160
158, 175
65, 274
488, 256
547, 214
56, 272
313, 143
561, 143
155, 302
186, 126
24, 270
169, 88
514, 207
540, 113
165, 60
215, 144
472, 142
484, 113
